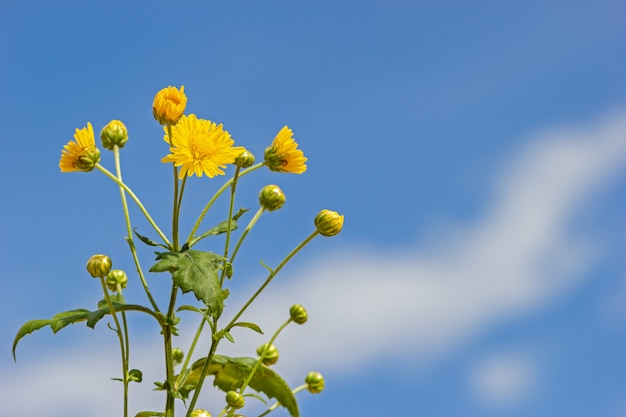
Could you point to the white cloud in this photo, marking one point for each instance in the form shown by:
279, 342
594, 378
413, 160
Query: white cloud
504, 380
373, 304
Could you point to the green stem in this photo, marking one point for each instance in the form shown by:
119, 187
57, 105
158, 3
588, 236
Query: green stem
169, 357
136, 200
129, 230
231, 206
205, 369
262, 356
118, 330
249, 227
269, 279
191, 350
276, 404
216, 195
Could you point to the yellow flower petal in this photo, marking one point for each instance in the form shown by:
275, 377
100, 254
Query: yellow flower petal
169, 105
283, 155
200, 147
82, 153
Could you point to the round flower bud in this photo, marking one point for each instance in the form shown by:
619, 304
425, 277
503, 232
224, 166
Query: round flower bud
116, 276
328, 222
271, 197
271, 354
177, 355
200, 413
234, 399
88, 160
169, 105
245, 159
314, 382
114, 133
99, 265
135, 375
298, 314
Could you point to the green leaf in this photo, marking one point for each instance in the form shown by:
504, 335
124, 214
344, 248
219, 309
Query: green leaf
28, 328
195, 271
149, 414
146, 240
66, 318
252, 326
229, 337
222, 227
230, 373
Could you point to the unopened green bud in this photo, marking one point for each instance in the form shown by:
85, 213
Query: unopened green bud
245, 159
328, 222
115, 277
271, 197
271, 354
88, 159
314, 382
135, 375
114, 133
235, 399
177, 355
298, 314
99, 265
200, 413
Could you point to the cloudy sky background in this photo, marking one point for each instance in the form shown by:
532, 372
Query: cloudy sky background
478, 153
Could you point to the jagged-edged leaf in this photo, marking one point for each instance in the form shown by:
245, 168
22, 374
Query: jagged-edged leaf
195, 271
230, 373
249, 325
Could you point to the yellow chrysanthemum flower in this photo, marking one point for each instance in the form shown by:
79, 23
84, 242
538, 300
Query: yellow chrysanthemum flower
283, 154
199, 147
169, 105
81, 154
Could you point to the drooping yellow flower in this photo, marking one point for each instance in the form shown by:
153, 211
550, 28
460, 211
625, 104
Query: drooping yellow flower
283, 154
82, 153
169, 105
199, 147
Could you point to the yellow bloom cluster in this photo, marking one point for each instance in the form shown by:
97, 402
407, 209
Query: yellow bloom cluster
197, 146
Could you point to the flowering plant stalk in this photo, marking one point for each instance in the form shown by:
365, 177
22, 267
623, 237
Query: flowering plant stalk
197, 147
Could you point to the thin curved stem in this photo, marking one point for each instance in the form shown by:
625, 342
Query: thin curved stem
216, 195
129, 230
262, 356
269, 279
276, 404
118, 330
205, 369
137, 201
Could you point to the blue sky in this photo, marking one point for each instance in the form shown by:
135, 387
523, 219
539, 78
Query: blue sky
476, 150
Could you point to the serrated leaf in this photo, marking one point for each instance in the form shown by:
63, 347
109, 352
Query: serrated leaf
249, 325
230, 373
195, 271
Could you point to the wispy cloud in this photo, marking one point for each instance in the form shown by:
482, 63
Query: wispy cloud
364, 303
